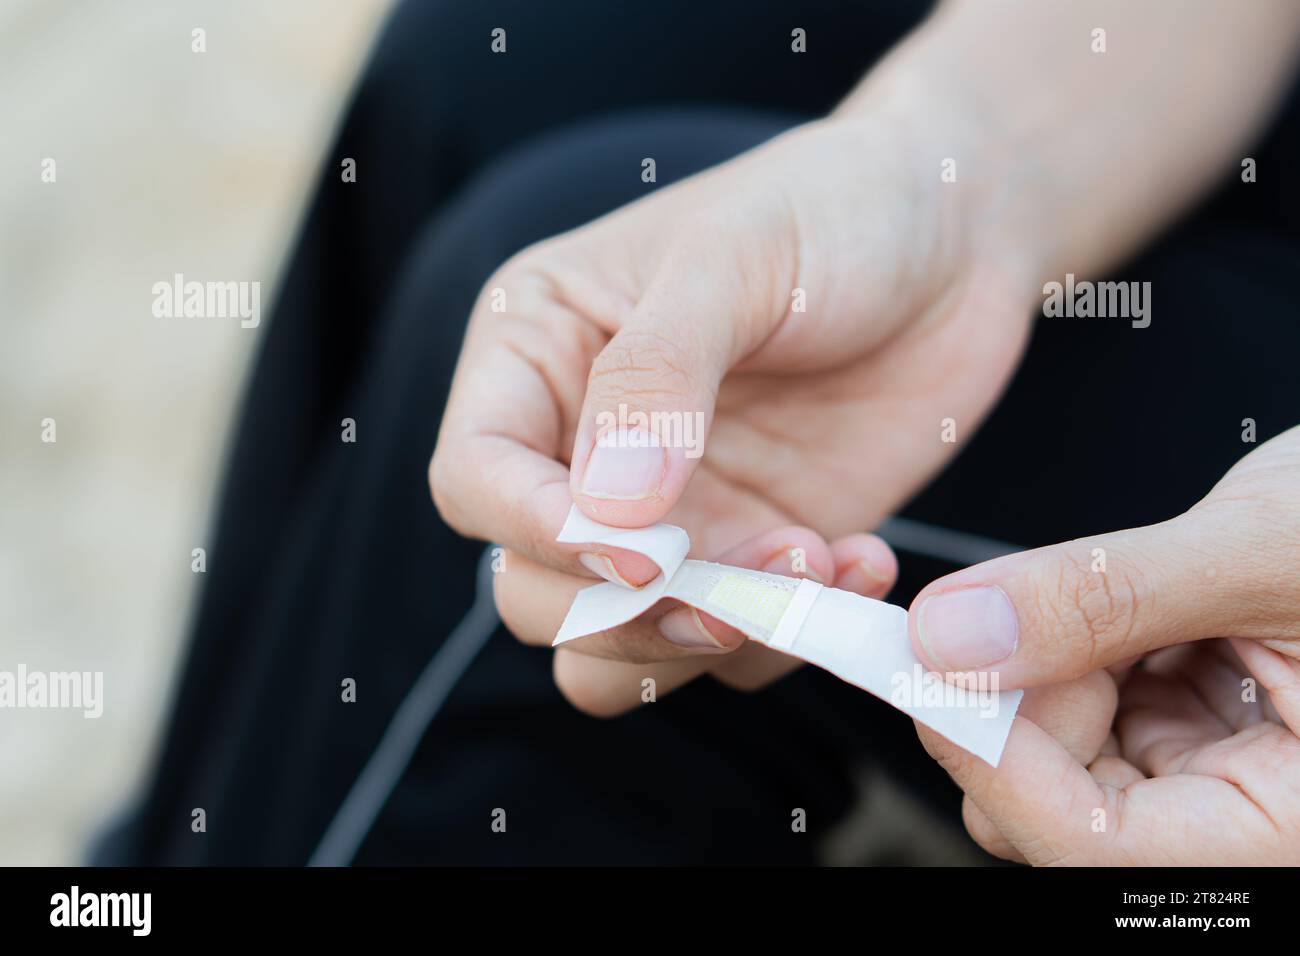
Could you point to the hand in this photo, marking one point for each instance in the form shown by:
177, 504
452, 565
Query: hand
681, 304
1201, 767
1229, 567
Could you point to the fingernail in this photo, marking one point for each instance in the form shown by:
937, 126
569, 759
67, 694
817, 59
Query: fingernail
603, 566
871, 572
791, 561
860, 578
684, 628
968, 629
626, 465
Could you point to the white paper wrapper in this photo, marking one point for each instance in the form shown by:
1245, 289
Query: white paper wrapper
857, 639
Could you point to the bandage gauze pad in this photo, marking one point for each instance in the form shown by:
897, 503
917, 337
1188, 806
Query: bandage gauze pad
857, 639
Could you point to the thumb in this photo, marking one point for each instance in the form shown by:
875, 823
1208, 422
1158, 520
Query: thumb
1058, 612
651, 392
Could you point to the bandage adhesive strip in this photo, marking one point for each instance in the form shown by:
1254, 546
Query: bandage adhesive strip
859, 640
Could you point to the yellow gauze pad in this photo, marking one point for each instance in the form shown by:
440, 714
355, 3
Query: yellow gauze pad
857, 639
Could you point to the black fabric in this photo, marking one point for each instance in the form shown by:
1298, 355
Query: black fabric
329, 561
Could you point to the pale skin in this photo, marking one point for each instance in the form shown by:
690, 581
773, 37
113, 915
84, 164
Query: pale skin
1173, 767
1197, 619
919, 295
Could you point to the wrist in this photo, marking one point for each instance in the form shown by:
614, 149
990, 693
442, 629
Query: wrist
984, 179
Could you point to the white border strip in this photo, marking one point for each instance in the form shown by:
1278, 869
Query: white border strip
796, 612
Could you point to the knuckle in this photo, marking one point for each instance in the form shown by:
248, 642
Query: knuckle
954, 762
578, 681
528, 280
1099, 606
508, 607
980, 828
631, 646
646, 364
446, 500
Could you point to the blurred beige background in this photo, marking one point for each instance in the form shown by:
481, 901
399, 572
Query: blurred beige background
167, 161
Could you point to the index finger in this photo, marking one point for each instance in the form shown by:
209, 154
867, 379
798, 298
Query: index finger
496, 472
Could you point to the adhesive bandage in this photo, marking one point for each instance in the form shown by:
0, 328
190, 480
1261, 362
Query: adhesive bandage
861, 641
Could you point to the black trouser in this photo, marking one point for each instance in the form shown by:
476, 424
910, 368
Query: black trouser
329, 562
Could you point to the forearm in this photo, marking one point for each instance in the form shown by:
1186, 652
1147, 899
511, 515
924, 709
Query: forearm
1071, 158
